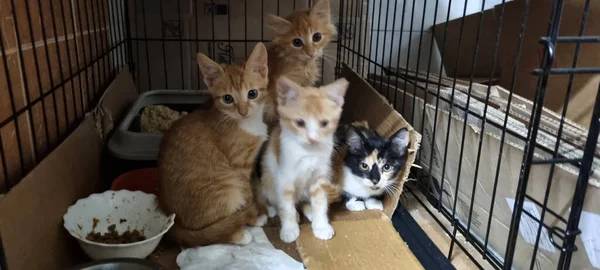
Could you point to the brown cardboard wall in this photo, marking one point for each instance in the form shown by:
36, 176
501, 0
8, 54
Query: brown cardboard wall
36, 68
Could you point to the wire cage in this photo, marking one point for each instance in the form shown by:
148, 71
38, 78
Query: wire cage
452, 68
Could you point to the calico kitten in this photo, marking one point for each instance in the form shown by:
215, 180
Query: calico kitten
371, 165
297, 162
298, 45
206, 158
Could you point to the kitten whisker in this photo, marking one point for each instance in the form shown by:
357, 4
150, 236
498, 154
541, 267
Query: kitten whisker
393, 189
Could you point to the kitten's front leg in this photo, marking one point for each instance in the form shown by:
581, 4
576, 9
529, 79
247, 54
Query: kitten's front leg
374, 204
320, 222
288, 215
271, 211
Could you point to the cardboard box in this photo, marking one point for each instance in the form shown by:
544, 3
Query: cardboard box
564, 179
532, 52
34, 238
227, 34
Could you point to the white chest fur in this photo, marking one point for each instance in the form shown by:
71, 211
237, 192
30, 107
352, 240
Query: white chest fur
300, 163
254, 125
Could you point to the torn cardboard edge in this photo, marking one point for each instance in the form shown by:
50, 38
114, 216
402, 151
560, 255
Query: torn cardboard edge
476, 107
520, 106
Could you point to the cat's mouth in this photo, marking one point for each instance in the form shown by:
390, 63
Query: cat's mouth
375, 188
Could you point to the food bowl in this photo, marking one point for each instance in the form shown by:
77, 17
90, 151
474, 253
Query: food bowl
127, 210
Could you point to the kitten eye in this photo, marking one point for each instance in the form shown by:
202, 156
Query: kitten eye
300, 122
228, 99
297, 43
324, 123
317, 37
252, 94
364, 166
387, 167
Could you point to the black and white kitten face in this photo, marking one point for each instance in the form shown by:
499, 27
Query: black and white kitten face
372, 163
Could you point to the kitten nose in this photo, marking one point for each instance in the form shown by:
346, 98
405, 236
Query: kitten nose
375, 175
243, 110
311, 52
312, 140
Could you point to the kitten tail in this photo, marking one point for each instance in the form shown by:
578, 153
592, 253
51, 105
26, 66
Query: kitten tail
220, 232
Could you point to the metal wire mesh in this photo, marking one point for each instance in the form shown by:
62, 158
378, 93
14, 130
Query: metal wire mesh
57, 57
411, 89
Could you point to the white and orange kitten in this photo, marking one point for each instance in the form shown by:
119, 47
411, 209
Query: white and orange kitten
296, 166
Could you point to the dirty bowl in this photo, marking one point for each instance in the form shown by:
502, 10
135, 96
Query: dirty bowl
127, 210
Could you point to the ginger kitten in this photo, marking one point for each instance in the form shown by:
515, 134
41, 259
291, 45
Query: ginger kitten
298, 45
206, 158
296, 166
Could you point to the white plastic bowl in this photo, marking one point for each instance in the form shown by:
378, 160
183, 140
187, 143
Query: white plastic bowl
140, 210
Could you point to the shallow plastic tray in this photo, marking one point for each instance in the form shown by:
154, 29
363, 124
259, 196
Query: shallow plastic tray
129, 143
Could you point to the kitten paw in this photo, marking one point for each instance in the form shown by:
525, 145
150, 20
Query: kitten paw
261, 220
244, 239
271, 211
374, 204
289, 234
323, 231
355, 205
307, 210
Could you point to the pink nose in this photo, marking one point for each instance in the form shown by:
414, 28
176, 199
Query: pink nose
310, 53
313, 141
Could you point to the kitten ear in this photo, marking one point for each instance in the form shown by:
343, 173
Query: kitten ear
279, 25
337, 90
353, 139
287, 91
321, 11
257, 61
209, 68
399, 141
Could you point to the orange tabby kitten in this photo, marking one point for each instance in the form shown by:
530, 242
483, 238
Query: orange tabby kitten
206, 157
296, 165
298, 45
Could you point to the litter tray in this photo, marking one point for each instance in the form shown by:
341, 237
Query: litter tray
129, 143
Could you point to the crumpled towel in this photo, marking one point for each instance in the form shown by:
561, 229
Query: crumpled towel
259, 254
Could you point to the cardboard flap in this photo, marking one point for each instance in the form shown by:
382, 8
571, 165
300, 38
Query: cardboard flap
358, 244
115, 102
